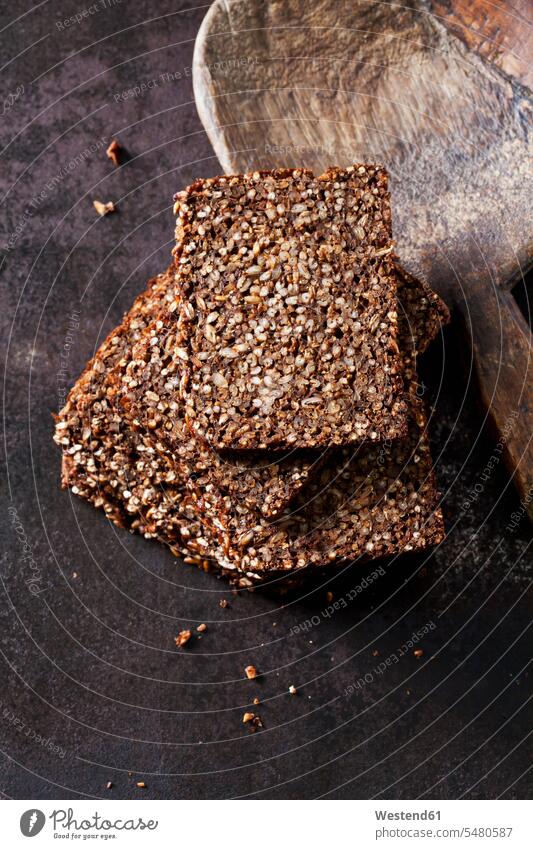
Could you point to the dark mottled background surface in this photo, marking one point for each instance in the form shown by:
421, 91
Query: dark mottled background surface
93, 689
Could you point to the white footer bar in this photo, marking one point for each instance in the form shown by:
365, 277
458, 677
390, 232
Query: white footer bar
267, 824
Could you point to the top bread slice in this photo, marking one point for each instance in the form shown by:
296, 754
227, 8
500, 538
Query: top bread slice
286, 331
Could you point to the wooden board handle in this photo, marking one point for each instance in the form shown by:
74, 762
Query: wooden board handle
501, 33
501, 352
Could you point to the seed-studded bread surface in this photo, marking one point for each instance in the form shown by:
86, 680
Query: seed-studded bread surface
109, 464
422, 315
375, 503
115, 467
369, 501
287, 331
119, 470
231, 498
256, 483
143, 388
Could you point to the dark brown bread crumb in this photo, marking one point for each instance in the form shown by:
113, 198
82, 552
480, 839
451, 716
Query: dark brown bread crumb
104, 208
183, 638
113, 151
253, 720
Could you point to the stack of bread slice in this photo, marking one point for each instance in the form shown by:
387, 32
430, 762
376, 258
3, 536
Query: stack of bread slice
258, 407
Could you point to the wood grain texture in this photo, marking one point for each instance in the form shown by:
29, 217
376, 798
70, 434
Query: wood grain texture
501, 32
315, 83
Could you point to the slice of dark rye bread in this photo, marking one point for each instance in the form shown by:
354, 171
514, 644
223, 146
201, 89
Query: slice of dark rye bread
255, 482
108, 464
286, 334
118, 469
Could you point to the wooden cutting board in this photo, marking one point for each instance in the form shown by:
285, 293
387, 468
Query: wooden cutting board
438, 92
